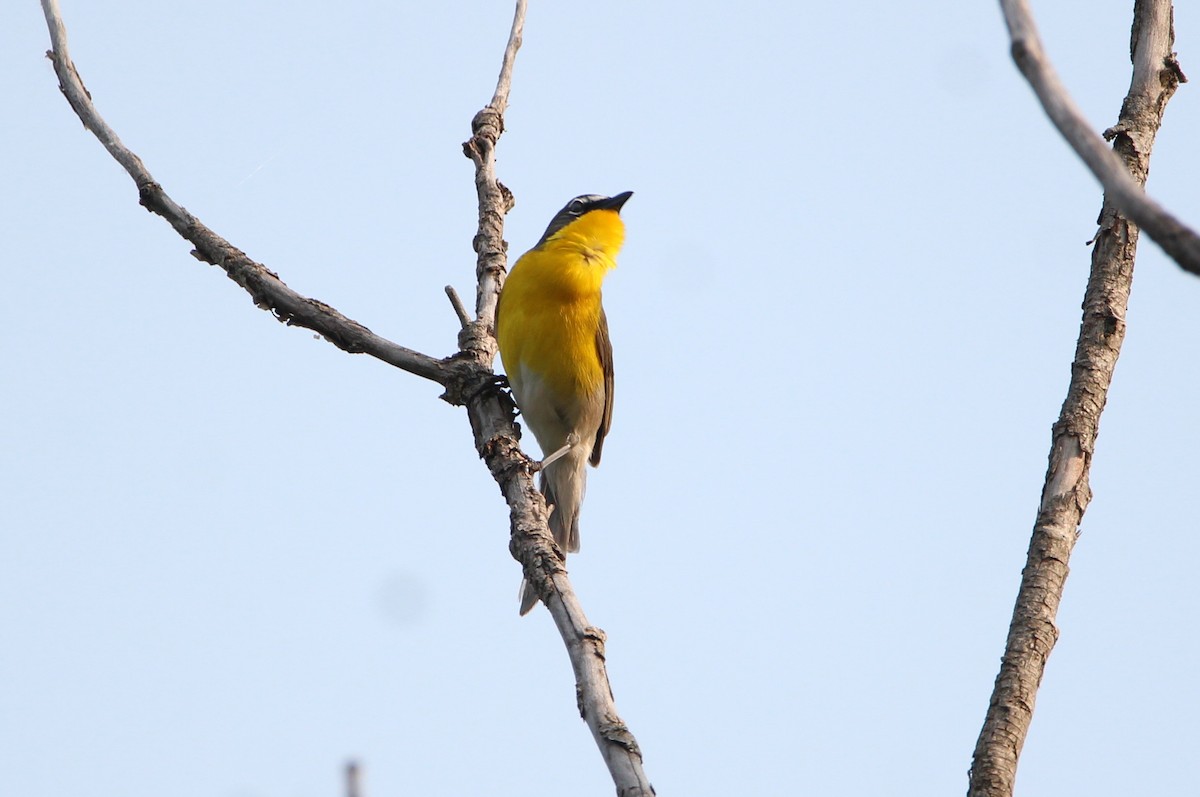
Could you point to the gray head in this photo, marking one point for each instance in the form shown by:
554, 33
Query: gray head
580, 205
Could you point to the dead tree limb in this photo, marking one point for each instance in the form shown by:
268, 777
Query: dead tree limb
531, 542
467, 375
264, 286
1066, 494
1178, 240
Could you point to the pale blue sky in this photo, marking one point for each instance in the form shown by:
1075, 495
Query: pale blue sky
233, 556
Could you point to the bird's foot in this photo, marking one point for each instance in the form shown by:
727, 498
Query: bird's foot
572, 441
493, 382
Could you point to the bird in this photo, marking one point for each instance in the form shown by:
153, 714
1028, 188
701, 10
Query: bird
553, 340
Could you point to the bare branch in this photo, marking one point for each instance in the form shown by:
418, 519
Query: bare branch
464, 319
467, 376
504, 82
494, 199
1177, 239
1066, 494
496, 439
269, 292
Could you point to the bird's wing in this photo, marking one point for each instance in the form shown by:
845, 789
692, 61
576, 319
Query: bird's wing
604, 351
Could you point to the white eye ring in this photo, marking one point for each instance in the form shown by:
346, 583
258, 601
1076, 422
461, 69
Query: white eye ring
576, 207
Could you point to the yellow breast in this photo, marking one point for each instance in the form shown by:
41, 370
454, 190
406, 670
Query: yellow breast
549, 311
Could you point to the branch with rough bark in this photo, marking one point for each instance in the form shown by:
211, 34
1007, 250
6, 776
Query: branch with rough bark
1155, 63
531, 542
268, 291
467, 375
1066, 494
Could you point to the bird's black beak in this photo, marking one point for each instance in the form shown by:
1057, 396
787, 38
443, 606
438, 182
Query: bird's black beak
613, 203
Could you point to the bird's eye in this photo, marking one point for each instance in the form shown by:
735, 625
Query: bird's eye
576, 207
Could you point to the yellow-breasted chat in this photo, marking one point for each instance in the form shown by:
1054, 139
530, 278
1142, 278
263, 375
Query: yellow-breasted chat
554, 342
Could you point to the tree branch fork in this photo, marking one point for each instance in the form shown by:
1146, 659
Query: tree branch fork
1066, 492
467, 375
1156, 75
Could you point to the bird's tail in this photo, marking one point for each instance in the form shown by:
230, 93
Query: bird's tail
562, 483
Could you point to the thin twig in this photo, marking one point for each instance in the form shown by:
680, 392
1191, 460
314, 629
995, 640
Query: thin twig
1066, 494
1178, 240
269, 292
464, 319
504, 82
